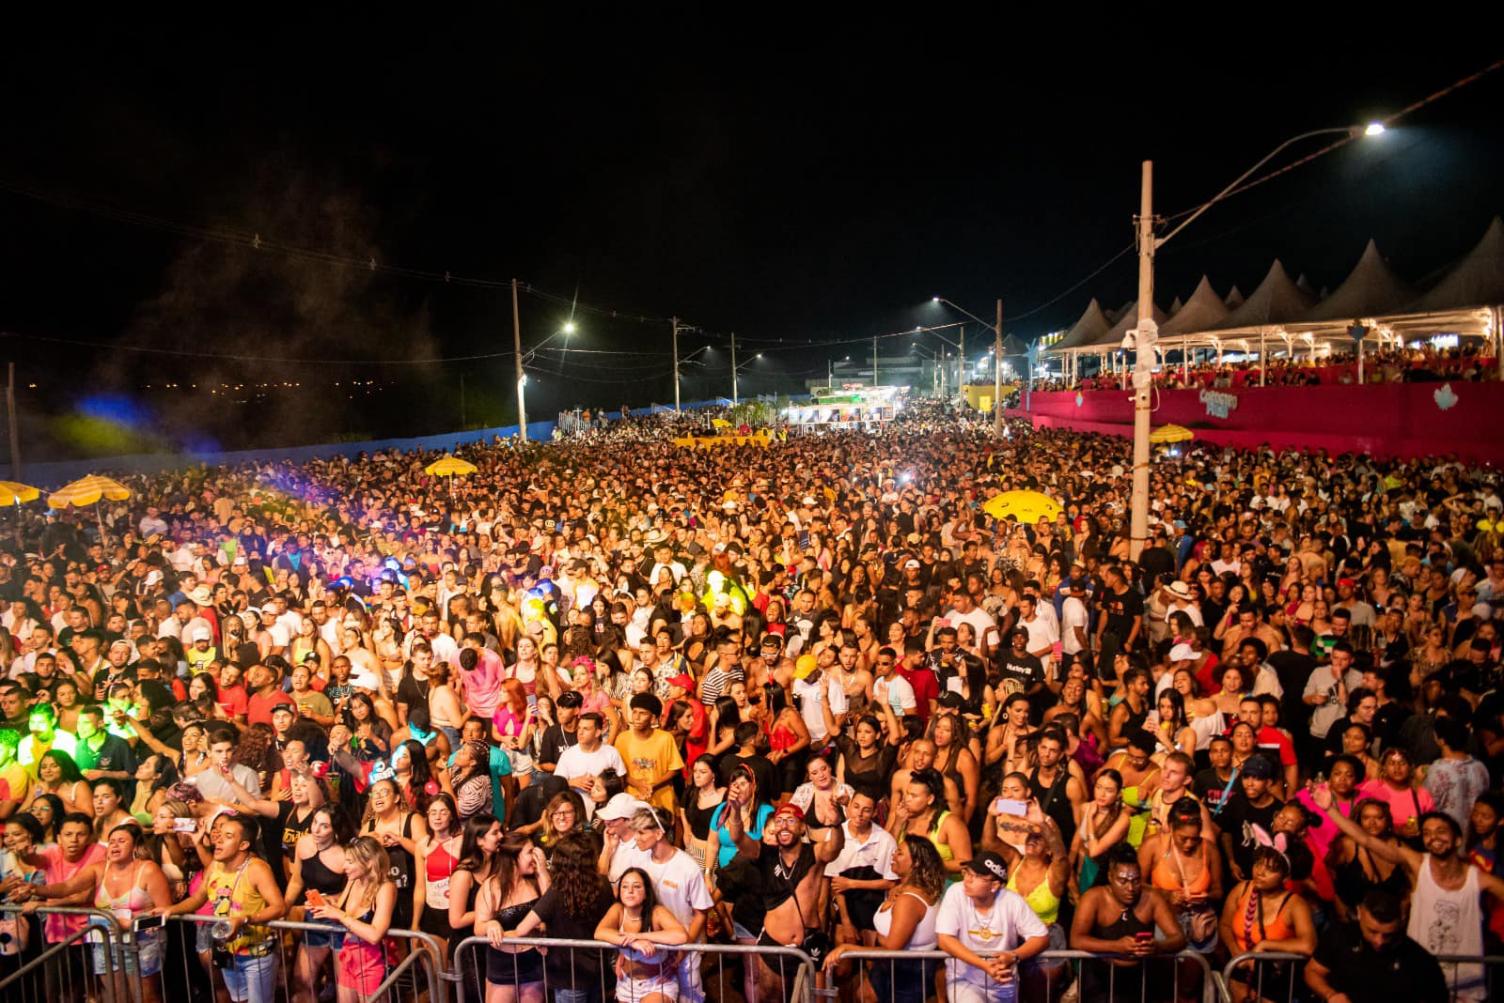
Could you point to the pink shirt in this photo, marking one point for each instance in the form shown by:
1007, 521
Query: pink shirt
58, 869
483, 685
1322, 834
1405, 804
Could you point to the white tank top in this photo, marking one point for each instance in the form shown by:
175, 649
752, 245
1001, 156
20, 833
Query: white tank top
923, 938
1450, 922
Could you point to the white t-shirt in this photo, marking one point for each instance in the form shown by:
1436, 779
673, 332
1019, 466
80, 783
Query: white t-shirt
876, 852
1072, 615
982, 624
576, 762
679, 883
1042, 634
898, 692
810, 694
1004, 927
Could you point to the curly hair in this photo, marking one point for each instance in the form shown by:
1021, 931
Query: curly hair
572, 868
927, 870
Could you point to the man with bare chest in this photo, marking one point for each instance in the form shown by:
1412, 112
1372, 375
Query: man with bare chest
791, 872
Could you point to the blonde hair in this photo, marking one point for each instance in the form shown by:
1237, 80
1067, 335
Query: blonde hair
372, 857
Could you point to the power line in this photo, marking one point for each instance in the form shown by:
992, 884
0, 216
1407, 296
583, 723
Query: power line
146, 350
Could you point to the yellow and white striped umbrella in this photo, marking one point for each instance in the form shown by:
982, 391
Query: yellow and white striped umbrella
88, 491
12, 493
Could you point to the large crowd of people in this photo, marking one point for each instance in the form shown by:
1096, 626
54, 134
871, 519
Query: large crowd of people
804, 695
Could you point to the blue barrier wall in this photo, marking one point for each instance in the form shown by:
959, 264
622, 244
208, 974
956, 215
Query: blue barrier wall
57, 473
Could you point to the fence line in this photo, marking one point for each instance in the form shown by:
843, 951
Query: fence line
112, 970
1039, 969
801, 979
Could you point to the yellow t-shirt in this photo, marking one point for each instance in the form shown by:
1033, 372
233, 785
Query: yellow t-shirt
15, 782
650, 760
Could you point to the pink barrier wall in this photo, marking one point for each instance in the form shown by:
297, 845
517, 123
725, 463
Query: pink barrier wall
1395, 419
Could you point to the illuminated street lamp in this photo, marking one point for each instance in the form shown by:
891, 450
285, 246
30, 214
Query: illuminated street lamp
1143, 339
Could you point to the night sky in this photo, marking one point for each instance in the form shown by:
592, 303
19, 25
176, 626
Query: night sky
765, 173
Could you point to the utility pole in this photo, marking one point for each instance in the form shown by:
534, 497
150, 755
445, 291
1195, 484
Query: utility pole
997, 372
15, 432
961, 366
830, 374
874, 360
675, 321
1144, 340
734, 396
517, 358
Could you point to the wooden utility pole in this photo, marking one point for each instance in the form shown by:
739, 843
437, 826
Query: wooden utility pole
997, 372
517, 358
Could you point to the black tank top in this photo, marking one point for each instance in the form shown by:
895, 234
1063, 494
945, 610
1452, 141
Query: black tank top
1126, 925
403, 873
318, 877
1055, 801
1351, 882
699, 818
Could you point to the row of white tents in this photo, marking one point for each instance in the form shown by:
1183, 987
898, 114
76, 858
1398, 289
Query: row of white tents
1285, 317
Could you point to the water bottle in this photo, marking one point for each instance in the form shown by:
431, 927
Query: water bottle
220, 931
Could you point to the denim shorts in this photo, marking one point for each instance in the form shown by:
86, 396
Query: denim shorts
334, 939
251, 979
142, 958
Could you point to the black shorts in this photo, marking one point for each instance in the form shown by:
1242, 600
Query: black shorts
505, 969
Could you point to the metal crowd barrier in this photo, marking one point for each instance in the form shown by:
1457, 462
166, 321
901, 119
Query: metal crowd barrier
1046, 976
798, 970
66, 972
413, 963
1451, 966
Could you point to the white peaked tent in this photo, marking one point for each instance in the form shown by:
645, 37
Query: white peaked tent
1283, 316
1175, 306
1086, 330
1277, 300
1371, 290
1475, 281
1202, 312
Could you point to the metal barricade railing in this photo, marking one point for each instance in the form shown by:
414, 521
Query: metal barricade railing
1049, 974
1285, 985
88, 963
1491, 965
322, 955
590, 973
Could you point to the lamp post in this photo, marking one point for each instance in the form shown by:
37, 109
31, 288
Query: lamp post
997, 354
735, 399
518, 360
1143, 339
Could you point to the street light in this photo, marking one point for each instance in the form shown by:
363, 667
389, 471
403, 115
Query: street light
997, 349
735, 397
1143, 339
565, 331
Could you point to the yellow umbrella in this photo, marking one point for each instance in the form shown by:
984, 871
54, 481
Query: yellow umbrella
449, 466
1165, 434
720, 423
1025, 506
12, 493
88, 491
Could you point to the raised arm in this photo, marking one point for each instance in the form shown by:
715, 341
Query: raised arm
1395, 854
